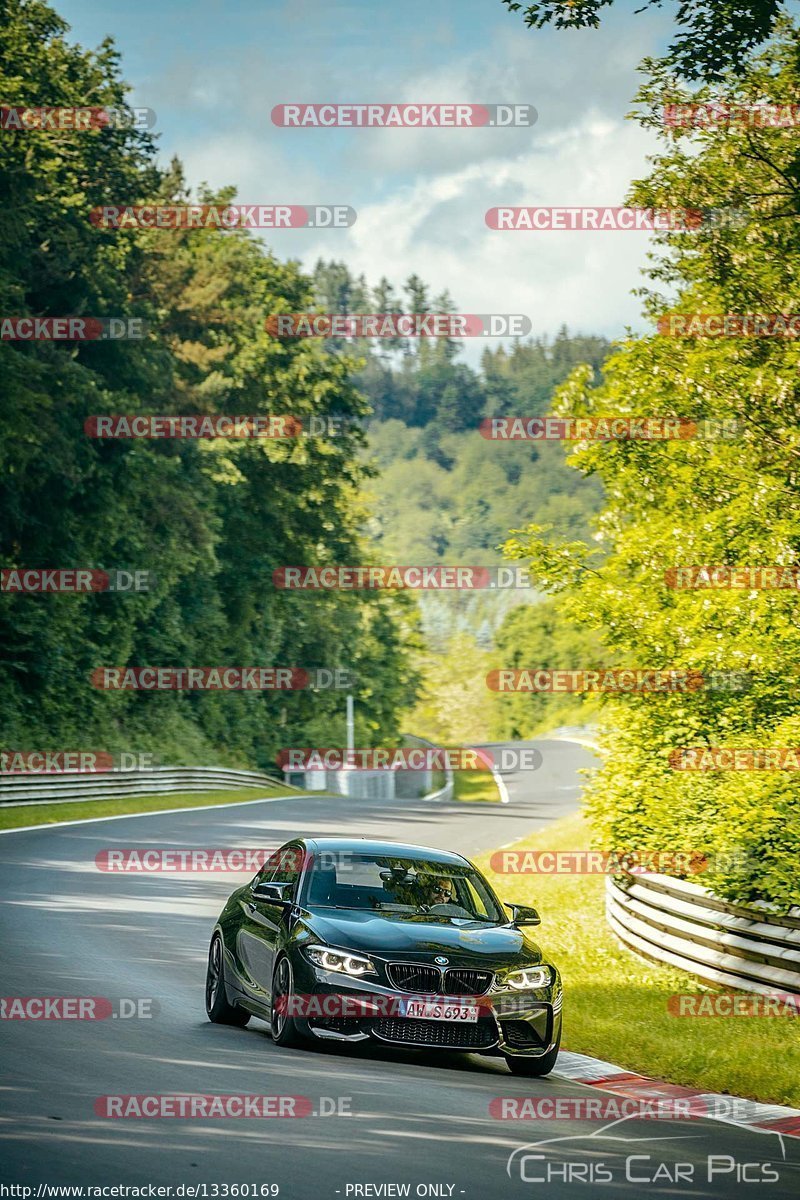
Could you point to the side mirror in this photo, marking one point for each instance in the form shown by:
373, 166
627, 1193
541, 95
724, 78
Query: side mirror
270, 893
523, 914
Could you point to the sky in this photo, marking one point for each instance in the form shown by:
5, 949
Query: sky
213, 70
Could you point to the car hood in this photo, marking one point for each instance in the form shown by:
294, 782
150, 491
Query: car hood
419, 940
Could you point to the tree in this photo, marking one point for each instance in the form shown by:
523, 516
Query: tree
521, 381
715, 36
709, 499
387, 302
455, 706
210, 520
540, 637
335, 289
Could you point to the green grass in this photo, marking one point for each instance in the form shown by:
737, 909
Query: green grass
475, 786
615, 1004
51, 814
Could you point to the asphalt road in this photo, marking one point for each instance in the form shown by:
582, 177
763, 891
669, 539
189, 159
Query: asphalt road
402, 1119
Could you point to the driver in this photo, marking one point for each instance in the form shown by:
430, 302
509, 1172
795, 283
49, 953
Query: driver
440, 891
441, 898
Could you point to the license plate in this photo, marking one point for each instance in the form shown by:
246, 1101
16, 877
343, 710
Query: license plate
432, 1010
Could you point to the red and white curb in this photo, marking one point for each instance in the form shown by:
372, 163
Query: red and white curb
772, 1118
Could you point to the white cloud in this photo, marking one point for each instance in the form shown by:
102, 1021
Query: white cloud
421, 195
436, 227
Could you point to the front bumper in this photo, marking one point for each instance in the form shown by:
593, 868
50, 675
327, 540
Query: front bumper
357, 1010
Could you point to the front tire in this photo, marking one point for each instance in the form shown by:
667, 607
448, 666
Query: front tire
284, 1026
217, 1006
527, 1065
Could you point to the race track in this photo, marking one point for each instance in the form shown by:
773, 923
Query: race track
70, 929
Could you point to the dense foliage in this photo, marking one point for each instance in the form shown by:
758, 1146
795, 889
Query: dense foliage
444, 493
451, 496
713, 35
732, 501
210, 519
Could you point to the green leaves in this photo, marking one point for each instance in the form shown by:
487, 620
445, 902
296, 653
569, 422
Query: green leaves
715, 36
553, 565
727, 496
210, 520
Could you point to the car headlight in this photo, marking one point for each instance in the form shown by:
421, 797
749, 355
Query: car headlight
355, 965
529, 978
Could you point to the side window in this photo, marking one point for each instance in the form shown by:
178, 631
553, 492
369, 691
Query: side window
284, 867
476, 901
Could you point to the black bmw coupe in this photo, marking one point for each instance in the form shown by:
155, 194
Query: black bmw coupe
352, 939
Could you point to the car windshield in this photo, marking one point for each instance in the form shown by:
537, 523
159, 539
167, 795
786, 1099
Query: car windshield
406, 887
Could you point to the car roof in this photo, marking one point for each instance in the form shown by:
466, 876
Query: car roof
372, 846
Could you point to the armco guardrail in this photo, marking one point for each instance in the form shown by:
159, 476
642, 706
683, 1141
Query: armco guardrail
116, 785
685, 925
443, 793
